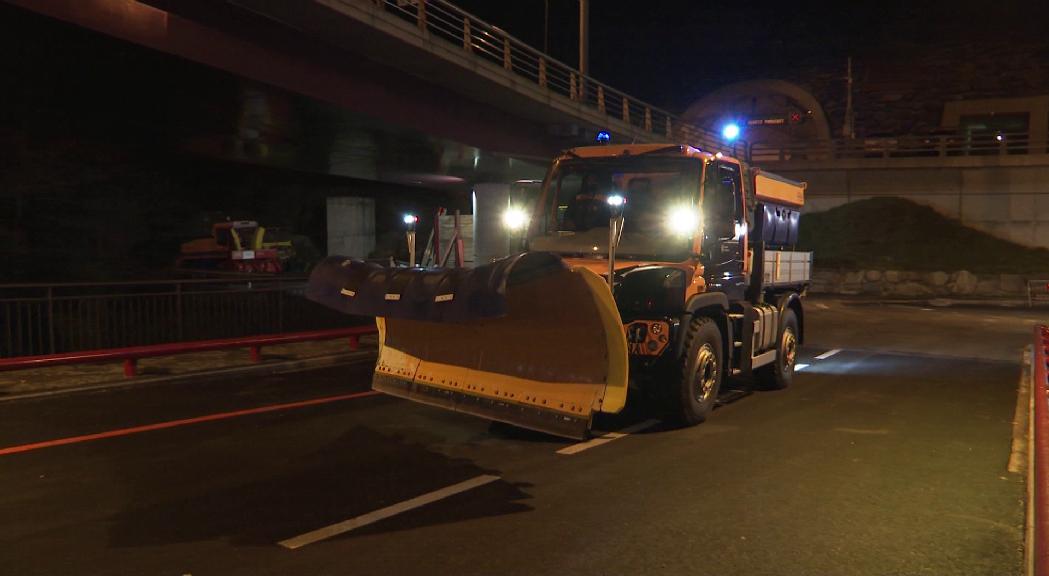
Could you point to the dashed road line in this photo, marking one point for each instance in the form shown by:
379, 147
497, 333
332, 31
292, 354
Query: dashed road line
877, 431
387, 512
800, 367
828, 354
606, 438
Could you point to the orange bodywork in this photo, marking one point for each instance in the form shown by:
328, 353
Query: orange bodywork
235, 245
692, 267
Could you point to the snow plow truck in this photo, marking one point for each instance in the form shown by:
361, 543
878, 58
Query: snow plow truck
654, 269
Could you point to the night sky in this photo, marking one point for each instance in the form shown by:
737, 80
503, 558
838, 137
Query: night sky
670, 52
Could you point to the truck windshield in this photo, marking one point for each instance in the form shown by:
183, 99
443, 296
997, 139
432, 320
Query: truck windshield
576, 209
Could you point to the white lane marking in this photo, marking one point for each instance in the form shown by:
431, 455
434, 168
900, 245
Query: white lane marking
862, 431
822, 306
606, 438
828, 354
800, 367
383, 513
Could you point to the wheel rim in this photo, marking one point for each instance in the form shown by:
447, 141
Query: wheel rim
790, 349
706, 373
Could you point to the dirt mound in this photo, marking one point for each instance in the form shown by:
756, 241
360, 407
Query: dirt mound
897, 234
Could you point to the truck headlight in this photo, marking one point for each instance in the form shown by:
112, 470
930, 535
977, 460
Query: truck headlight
683, 220
515, 219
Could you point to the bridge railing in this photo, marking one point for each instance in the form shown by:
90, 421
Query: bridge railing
40, 319
444, 20
903, 146
132, 354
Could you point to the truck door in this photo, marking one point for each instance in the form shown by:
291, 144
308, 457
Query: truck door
723, 229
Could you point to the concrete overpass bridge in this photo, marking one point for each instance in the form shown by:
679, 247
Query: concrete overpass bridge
433, 95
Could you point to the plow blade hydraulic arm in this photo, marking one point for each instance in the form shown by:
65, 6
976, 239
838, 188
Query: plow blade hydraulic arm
524, 340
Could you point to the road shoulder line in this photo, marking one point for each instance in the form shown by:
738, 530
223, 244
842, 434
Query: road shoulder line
1021, 417
182, 422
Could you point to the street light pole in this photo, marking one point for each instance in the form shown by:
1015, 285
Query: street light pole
849, 129
546, 26
584, 37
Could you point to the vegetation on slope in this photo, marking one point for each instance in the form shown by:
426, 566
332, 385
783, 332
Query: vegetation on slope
897, 234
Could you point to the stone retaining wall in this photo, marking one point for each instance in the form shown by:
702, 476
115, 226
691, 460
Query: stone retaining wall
909, 284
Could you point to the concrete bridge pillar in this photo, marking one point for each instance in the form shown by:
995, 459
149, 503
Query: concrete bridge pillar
351, 226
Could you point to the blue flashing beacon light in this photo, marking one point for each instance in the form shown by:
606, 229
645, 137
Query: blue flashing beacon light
603, 137
730, 131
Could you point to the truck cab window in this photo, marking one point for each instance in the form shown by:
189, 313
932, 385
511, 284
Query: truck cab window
721, 199
569, 186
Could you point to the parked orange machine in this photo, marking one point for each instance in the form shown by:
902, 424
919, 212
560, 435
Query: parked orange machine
239, 246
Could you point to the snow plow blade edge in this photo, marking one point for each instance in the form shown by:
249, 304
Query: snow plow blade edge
531, 342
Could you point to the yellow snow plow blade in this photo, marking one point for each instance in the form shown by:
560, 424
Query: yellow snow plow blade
544, 349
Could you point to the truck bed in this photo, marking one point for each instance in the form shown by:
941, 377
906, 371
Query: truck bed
786, 267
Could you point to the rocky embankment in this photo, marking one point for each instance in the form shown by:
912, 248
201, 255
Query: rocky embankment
911, 284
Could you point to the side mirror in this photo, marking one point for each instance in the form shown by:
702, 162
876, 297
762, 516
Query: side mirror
616, 203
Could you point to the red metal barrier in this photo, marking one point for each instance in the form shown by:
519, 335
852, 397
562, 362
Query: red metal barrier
131, 355
1040, 390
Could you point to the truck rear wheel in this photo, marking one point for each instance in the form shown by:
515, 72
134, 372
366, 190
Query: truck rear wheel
702, 370
779, 374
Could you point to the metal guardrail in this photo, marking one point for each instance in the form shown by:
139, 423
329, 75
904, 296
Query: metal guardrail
40, 319
1037, 290
1039, 474
130, 356
906, 146
495, 47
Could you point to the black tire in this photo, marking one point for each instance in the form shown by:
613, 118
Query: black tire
702, 371
780, 374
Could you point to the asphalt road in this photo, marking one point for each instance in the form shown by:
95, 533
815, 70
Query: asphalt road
888, 457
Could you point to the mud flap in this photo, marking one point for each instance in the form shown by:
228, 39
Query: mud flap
531, 342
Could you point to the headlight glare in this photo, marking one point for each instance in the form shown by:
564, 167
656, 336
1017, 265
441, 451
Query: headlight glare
683, 220
515, 219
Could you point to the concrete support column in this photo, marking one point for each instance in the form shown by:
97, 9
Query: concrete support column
490, 200
351, 226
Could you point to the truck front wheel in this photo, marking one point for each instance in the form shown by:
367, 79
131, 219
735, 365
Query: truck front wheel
779, 374
702, 370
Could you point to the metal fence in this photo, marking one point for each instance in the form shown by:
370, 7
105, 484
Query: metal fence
907, 146
445, 21
53, 318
